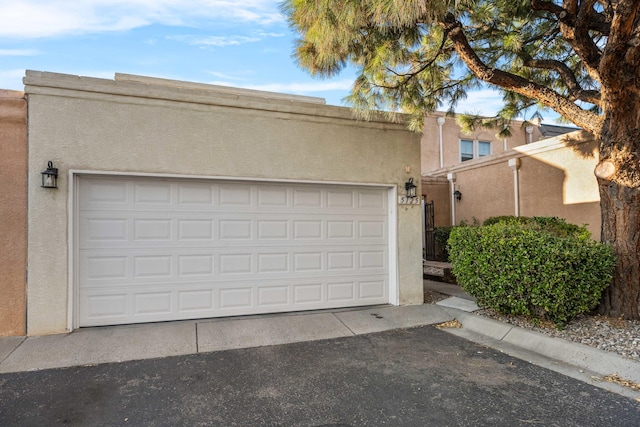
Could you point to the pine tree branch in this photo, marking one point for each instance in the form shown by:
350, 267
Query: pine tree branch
512, 82
623, 46
577, 19
576, 92
585, 46
423, 65
567, 15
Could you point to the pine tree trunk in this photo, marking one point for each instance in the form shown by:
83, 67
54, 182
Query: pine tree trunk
620, 207
618, 174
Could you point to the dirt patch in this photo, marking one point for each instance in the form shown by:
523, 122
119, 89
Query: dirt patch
432, 297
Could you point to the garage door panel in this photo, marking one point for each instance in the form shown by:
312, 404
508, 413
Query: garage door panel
98, 267
96, 230
307, 198
100, 308
195, 301
99, 232
152, 303
194, 195
236, 298
195, 229
273, 263
105, 191
131, 226
148, 195
371, 200
273, 196
342, 291
155, 193
341, 199
372, 290
193, 265
308, 293
157, 249
274, 296
160, 303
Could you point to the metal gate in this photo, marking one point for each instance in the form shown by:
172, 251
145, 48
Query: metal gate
429, 231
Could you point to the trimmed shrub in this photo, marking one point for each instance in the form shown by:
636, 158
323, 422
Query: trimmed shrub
557, 226
542, 268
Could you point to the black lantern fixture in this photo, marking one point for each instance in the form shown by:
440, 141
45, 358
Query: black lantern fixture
457, 194
410, 187
50, 176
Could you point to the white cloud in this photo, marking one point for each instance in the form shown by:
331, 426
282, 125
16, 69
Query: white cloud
224, 41
219, 41
265, 34
224, 76
18, 52
45, 18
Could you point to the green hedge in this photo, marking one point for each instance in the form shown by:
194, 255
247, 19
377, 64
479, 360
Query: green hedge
542, 268
554, 225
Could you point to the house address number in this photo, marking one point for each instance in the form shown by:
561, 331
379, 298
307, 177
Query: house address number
404, 200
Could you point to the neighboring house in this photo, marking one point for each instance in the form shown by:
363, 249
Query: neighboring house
13, 212
444, 144
177, 200
541, 170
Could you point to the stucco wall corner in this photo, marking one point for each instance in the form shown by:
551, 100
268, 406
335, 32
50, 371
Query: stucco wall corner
410, 255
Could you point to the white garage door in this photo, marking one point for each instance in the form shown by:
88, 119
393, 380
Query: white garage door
152, 249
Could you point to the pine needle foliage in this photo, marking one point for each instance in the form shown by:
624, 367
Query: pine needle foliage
407, 62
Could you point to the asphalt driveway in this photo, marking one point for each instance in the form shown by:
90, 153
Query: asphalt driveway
407, 377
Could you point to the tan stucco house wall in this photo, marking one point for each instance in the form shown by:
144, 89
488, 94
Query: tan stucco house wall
552, 177
559, 181
135, 125
441, 130
13, 212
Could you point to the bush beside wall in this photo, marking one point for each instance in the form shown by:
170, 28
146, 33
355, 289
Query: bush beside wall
538, 267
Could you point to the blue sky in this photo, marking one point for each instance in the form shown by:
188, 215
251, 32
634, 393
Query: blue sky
244, 43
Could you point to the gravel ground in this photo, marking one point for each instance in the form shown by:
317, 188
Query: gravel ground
606, 333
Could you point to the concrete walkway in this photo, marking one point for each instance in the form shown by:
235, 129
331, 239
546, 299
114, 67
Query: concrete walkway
134, 342
92, 346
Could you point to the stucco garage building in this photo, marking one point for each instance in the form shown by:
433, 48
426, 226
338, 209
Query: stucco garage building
178, 200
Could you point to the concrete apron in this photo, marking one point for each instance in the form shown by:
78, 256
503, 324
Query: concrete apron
111, 344
146, 341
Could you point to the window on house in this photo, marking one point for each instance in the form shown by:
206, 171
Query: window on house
484, 148
466, 150
470, 149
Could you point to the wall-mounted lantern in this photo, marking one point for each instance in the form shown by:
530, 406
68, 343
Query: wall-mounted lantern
410, 188
457, 194
50, 176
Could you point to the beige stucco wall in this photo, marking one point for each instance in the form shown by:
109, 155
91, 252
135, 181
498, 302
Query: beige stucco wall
569, 188
13, 212
486, 192
452, 134
555, 178
152, 126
